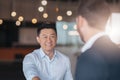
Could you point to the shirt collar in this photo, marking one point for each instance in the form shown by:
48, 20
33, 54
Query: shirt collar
42, 54
91, 41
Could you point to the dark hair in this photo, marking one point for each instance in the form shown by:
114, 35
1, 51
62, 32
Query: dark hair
96, 12
46, 25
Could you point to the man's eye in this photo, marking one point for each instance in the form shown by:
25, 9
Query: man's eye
53, 36
44, 36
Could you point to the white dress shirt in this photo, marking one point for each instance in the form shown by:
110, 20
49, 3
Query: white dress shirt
91, 41
38, 64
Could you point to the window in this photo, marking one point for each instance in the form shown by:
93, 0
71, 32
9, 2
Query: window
113, 27
67, 34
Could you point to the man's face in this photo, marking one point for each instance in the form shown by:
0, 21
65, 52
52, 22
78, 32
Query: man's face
47, 39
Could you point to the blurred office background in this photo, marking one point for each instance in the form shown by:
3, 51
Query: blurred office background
19, 20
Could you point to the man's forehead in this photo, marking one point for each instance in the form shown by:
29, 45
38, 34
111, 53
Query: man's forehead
47, 33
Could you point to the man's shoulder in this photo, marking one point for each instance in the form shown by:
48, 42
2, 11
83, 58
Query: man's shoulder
91, 55
34, 52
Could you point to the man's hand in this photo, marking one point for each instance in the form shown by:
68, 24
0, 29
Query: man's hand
36, 78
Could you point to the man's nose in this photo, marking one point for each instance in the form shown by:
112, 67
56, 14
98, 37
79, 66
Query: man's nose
49, 39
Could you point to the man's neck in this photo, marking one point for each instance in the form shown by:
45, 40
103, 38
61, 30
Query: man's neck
91, 33
49, 54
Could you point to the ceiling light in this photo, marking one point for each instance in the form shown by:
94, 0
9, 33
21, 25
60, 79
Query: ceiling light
69, 13
59, 18
65, 27
1, 21
44, 2
20, 18
18, 23
75, 27
45, 15
34, 20
13, 14
40, 9
57, 9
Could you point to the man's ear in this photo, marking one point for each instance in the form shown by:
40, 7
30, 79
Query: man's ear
38, 40
80, 21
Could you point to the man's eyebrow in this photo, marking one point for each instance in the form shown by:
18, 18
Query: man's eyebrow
52, 34
47, 34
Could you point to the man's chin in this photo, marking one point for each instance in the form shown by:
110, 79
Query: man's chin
49, 49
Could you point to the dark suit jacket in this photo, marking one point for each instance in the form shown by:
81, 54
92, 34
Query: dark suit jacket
100, 62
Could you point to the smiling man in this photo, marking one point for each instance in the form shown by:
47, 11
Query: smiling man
47, 63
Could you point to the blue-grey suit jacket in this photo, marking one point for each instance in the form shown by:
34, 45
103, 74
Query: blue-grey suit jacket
100, 62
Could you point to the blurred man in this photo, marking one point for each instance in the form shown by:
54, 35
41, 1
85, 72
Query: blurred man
47, 63
100, 57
